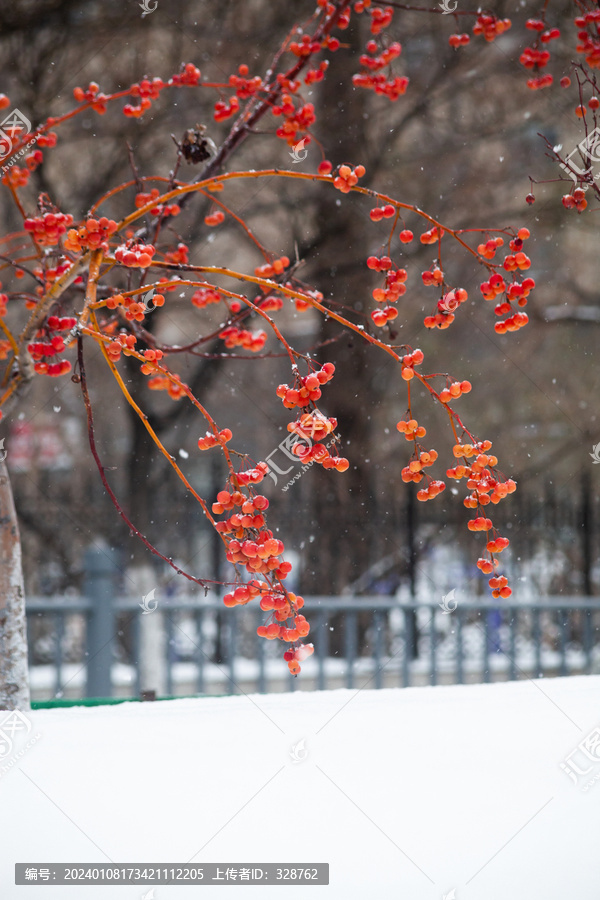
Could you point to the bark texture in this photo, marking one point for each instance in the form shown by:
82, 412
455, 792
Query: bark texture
14, 676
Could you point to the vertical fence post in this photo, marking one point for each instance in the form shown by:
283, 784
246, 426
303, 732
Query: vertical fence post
99, 588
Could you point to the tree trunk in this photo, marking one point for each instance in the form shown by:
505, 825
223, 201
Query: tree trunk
343, 502
14, 676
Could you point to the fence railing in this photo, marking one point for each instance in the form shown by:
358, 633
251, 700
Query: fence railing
92, 646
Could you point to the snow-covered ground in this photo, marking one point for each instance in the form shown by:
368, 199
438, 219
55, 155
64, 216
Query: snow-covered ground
413, 794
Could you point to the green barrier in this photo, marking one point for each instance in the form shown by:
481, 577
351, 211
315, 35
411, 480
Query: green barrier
108, 701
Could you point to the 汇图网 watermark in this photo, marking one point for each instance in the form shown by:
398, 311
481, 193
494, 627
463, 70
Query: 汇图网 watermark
582, 765
10, 128
15, 729
588, 150
301, 437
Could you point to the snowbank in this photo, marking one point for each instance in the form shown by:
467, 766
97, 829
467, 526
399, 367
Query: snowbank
407, 794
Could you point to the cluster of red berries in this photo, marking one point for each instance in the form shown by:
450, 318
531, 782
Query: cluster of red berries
382, 212
172, 385
432, 277
381, 17
53, 369
532, 58
34, 159
211, 440
374, 63
576, 200
205, 296
215, 218
241, 337
225, 110
432, 236
454, 391
589, 45
253, 476
241, 595
253, 546
55, 344
347, 178
268, 270
306, 389
479, 524
382, 316
304, 47
303, 305
539, 26
123, 343
135, 112
295, 657
379, 264
497, 545
409, 361
314, 75
147, 88
91, 95
46, 230
505, 307
251, 517
315, 427
488, 250
431, 491
492, 288
167, 209
394, 288
90, 235
284, 606
297, 120
392, 88
411, 429
459, 40
180, 255
245, 87
289, 85
536, 58
541, 81
16, 177
61, 323
520, 290
135, 255
301, 629
259, 555
451, 300
491, 27
134, 310
512, 323
152, 358
414, 470
516, 261
269, 304
485, 488
39, 349
189, 75
499, 585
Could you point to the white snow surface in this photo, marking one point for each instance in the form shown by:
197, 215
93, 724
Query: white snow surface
407, 793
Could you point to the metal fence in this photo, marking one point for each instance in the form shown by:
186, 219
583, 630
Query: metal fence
92, 646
